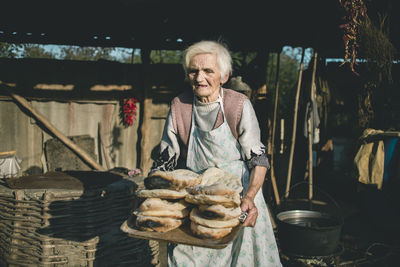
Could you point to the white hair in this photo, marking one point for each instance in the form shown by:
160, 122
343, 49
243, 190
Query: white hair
224, 59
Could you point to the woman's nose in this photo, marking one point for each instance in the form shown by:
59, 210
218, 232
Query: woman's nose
199, 76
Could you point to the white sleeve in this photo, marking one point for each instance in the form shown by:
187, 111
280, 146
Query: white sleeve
254, 151
169, 148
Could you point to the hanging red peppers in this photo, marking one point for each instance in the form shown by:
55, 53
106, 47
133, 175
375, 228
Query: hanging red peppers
128, 111
355, 14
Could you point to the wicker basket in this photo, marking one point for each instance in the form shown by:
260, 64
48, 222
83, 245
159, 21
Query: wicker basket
70, 227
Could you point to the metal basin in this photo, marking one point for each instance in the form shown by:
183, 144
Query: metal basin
308, 233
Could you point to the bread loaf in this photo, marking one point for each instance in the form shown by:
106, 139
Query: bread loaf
207, 232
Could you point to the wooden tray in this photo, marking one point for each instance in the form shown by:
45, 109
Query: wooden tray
181, 235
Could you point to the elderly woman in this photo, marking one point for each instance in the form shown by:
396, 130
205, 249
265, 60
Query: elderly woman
211, 126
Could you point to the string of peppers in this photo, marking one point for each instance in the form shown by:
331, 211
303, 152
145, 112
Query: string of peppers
128, 111
355, 15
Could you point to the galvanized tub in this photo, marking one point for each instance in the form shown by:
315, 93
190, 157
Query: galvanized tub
308, 233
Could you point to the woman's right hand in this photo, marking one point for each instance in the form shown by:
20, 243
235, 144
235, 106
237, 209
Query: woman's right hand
248, 206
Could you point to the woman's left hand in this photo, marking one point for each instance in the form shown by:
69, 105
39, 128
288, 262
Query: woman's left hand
248, 206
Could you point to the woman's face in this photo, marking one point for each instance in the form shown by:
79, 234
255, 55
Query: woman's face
205, 77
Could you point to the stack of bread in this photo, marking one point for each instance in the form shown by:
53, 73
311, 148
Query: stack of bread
164, 207
217, 204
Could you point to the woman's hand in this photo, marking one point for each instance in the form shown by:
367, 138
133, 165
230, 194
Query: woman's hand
248, 206
256, 180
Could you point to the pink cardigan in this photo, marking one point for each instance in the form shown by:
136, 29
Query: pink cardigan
181, 113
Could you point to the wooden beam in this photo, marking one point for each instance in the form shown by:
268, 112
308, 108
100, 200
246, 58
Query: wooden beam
8, 153
38, 116
147, 113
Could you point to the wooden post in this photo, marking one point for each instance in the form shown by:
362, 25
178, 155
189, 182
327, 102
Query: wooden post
102, 150
273, 179
282, 136
310, 161
296, 107
80, 152
310, 138
147, 113
8, 153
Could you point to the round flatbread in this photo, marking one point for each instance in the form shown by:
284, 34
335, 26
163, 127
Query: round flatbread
219, 212
162, 204
196, 217
176, 179
216, 175
177, 214
162, 193
226, 201
157, 182
207, 232
214, 189
157, 224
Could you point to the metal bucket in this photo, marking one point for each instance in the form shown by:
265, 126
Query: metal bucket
308, 233
308, 228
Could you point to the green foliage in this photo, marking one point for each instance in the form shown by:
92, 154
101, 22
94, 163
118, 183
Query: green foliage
35, 51
377, 50
9, 50
288, 76
86, 53
166, 57
245, 64
64, 52
242, 60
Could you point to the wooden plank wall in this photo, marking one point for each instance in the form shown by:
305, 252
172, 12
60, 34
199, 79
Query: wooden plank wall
75, 84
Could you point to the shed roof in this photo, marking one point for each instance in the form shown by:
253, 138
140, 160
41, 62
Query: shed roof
160, 24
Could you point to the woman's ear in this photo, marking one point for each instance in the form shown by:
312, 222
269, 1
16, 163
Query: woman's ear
224, 79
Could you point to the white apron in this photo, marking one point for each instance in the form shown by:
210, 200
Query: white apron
253, 246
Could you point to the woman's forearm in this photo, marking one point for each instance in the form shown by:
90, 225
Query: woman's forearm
256, 181
257, 177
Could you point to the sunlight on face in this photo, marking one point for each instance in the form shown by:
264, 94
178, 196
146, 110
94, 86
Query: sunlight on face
205, 77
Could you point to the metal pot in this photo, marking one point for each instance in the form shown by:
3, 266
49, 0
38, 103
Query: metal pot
308, 233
